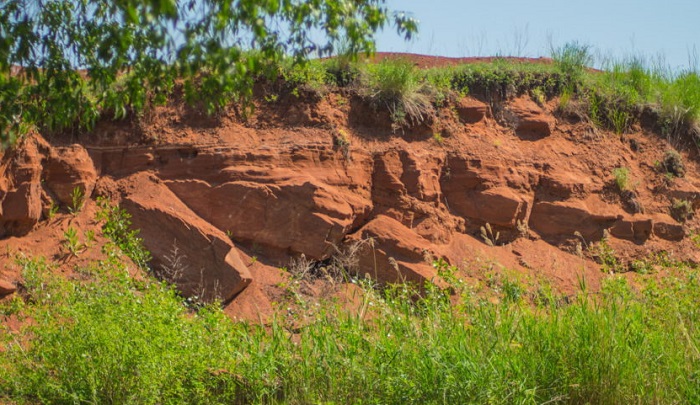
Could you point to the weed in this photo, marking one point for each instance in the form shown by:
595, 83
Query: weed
77, 200
512, 290
72, 244
673, 163
641, 266
53, 210
571, 59
565, 98
695, 238
488, 236
522, 227
437, 137
113, 339
342, 142
621, 176
174, 265
14, 305
682, 210
117, 228
606, 256
620, 120
538, 96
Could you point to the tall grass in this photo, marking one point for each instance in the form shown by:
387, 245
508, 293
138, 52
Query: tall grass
399, 87
112, 339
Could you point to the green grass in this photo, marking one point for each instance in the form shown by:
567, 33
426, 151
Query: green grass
108, 338
621, 176
399, 87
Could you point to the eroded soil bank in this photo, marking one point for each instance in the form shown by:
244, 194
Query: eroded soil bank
487, 185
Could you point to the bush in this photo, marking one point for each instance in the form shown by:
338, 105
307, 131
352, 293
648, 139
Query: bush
621, 175
398, 86
117, 340
673, 163
682, 210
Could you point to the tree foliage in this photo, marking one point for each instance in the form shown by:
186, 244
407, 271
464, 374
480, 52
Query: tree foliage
65, 62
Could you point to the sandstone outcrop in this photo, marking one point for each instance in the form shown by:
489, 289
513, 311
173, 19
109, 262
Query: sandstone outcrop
393, 253
188, 251
529, 120
68, 168
471, 111
21, 194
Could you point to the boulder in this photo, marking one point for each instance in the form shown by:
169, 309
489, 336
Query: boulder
69, 168
188, 251
6, 288
294, 212
529, 120
564, 218
562, 184
391, 252
637, 228
497, 206
21, 205
667, 228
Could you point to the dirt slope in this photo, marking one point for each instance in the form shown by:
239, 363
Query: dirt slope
319, 176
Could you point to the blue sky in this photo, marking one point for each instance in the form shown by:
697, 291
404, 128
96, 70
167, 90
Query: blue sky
614, 28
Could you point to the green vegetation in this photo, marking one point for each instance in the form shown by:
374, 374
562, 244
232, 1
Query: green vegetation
682, 210
134, 54
621, 175
108, 338
77, 200
117, 227
673, 164
398, 86
626, 93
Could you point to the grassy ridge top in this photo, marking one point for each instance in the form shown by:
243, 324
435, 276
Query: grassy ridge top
614, 98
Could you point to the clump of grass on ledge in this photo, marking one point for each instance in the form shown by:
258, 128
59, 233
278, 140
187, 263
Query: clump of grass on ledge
107, 338
398, 86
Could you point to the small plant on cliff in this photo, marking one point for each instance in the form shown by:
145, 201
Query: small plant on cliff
72, 244
117, 227
682, 210
606, 256
77, 200
621, 175
673, 163
488, 235
620, 120
341, 141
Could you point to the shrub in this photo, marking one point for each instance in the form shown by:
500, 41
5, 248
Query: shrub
398, 86
572, 59
682, 210
621, 175
117, 340
673, 163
